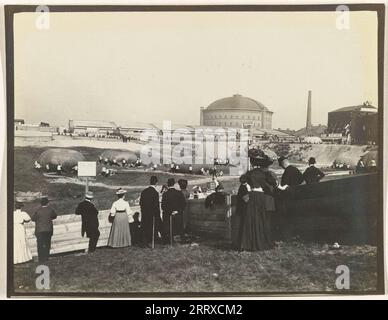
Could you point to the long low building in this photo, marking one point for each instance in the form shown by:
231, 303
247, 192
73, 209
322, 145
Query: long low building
20, 125
270, 134
135, 130
92, 127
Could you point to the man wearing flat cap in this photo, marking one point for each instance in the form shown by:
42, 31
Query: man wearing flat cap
89, 216
312, 174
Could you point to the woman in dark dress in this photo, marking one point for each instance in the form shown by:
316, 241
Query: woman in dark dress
241, 206
255, 233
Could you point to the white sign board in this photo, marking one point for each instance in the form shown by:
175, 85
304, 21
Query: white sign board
87, 168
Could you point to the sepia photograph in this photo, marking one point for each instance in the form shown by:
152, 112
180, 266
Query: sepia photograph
181, 151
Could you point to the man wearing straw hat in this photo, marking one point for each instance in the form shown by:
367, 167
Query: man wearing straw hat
89, 216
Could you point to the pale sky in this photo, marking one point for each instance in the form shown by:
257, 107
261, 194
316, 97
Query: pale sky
150, 67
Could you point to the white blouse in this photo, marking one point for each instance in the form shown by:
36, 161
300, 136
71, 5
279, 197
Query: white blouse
122, 205
20, 217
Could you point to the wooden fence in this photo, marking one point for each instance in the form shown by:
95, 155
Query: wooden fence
67, 233
344, 210
213, 222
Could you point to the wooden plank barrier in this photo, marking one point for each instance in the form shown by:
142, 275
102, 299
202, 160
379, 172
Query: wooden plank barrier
213, 222
67, 233
343, 210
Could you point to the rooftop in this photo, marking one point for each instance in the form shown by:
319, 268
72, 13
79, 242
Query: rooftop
237, 102
94, 123
366, 107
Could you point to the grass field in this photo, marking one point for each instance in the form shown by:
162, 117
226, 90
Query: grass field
209, 267
65, 196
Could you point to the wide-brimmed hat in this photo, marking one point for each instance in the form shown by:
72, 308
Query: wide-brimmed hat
259, 157
120, 191
266, 161
256, 153
89, 195
312, 160
19, 204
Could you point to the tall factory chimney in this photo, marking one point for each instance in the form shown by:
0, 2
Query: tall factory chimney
201, 116
308, 120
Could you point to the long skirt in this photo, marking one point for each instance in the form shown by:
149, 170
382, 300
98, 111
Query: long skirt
120, 235
21, 251
255, 234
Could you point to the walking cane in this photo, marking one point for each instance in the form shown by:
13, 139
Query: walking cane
171, 230
153, 232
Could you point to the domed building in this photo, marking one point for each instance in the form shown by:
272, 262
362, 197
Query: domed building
237, 112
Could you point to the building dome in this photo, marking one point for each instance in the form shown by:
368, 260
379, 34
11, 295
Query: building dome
237, 112
237, 102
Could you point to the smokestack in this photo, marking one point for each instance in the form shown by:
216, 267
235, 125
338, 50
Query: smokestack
308, 121
201, 116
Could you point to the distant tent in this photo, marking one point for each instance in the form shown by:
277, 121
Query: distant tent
120, 155
314, 140
66, 157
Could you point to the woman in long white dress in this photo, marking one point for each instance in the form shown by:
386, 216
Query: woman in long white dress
122, 215
21, 251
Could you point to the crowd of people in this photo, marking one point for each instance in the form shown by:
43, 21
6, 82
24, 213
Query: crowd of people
363, 167
165, 220
158, 222
57, 168
255, 198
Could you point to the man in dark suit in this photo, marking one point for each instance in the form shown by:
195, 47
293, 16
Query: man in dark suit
173, 205
150, 212
43, 218
89, 215
291, 175
312, 174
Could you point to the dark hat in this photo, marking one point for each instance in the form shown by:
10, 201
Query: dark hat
281, 159
153, 180
182, 183
19, 204
44, 200
170, 182
266, 161
219, 187
312, 160
256, 153
243, 178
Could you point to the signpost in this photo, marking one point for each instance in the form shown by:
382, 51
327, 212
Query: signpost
87, 169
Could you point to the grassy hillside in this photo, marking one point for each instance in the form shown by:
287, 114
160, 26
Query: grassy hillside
209, 267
